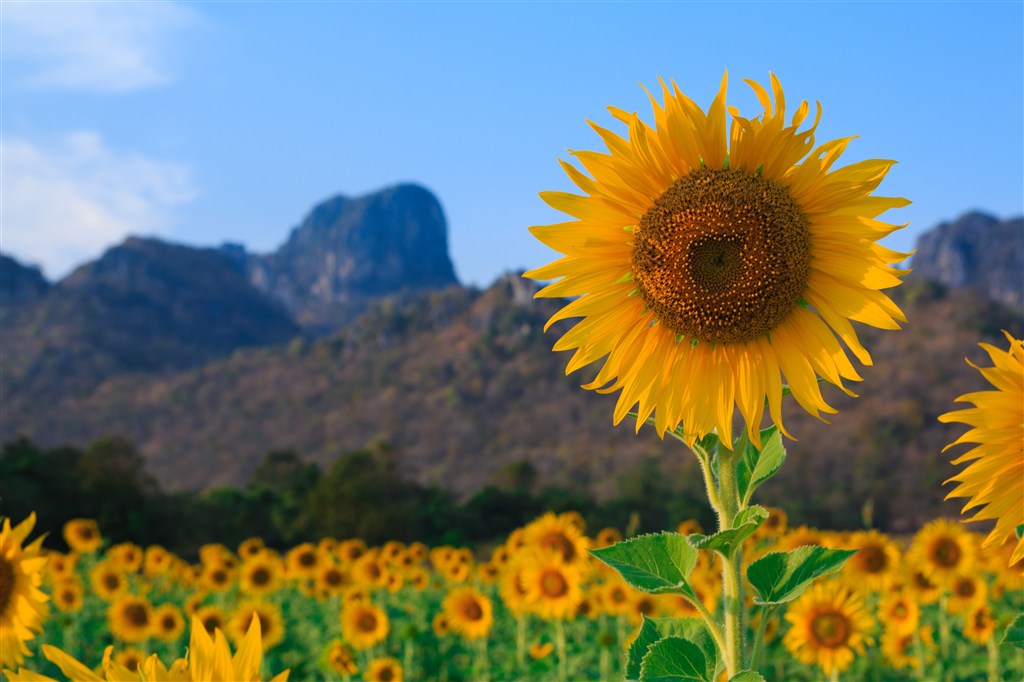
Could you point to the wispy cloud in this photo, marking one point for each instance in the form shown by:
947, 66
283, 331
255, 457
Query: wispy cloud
91, 46
65, 202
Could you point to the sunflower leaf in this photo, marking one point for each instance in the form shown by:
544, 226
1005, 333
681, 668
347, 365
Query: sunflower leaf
1015, 633
781, 577
747, 676
757, 466
674, 659
727, 542
655, 563
655, 629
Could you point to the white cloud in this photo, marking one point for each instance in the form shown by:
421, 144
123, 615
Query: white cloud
98, 47
64, 203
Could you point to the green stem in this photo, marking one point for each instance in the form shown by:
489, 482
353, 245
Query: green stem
563, 661
520, 641
834, 677
709, 478
728, 494
709, 620
483, 663
993, 659
759, 639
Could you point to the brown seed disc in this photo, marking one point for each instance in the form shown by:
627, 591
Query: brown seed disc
722, 256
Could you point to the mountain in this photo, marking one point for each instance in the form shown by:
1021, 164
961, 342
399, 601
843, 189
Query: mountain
197, 357
348, 252
20, 283
145, 306
977, 251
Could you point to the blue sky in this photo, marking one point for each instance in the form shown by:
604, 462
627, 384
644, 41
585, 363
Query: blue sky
211, 122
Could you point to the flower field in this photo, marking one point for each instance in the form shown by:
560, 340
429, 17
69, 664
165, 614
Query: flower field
539, 606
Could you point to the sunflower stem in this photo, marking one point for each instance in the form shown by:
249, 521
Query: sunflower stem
709, 620
521, 641
993, 659
563, 661
759, 639
728, 495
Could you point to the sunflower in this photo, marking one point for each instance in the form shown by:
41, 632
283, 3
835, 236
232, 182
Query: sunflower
68, 594
83, 535
217, 577
350, 550
607, 537
331, 579
209, 658
942, 550
368, 571
156, 561
829, 623
341, 659
61, 566
966, 592
900, 650
107, 581
469, 613
558, 534
250, 547
441, 624
363, 624
302, 561
995, 478
126, 556
899, 612
511, 587
707, 260
131, 658
130, 618
980, 626
540, 651
211, 617
269, 616
552, 586
616, 597
876, 563
921, 588
168, 623
261, 573
22, 605
383, 670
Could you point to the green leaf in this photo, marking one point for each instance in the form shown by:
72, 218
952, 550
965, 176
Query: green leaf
781, 577
655, 563
655, 629
675, 659
757, 466
747, 676
1015, 633
728, 541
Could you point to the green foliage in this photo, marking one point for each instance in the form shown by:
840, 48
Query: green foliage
674, 659
655, 629
657, 563
781, 577
1015, 633
757, 466
727, 542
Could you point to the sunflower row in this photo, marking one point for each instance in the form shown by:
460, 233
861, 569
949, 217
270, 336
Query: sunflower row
339, 608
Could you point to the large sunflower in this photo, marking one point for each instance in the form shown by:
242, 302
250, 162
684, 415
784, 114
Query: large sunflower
829, 626
469, 612
995, 478
131, 618
22, 605
363, 624
709, 262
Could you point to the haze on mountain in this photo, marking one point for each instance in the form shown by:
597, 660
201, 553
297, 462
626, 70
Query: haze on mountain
357, 330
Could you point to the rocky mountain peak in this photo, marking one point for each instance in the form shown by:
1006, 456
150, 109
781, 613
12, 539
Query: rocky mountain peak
975, 251
20, 283
348, 251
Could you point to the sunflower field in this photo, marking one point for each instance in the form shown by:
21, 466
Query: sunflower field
537, 606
